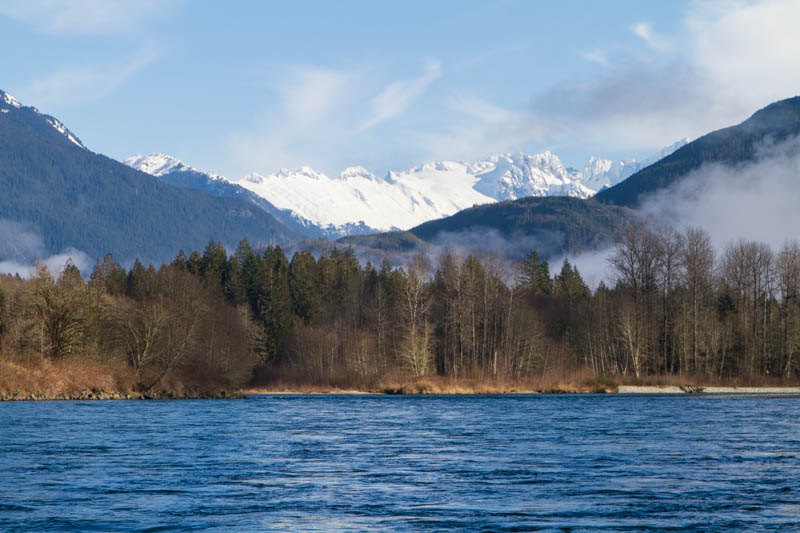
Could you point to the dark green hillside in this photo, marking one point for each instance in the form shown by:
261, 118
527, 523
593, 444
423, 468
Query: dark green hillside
392, 241
555, 225
192, 179
560, 224
737, 144
75, 198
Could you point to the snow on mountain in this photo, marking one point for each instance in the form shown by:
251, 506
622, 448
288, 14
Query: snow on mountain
175, 172
358, 201
664, 152
513, 176
405, 199
599, 174
64, 131
10, 101
357, 196
161, 164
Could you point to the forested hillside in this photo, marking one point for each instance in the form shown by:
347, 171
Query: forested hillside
75, 198
192, 179
730, 146
553, 225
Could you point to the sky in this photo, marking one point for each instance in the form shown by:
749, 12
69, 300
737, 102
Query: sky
237, 87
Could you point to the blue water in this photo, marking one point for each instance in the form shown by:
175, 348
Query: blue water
489, 463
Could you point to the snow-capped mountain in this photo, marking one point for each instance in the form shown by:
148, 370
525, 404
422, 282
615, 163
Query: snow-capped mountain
8, 104
157, 164
513, 176
599, 174
175, 172
399, 201
357, 201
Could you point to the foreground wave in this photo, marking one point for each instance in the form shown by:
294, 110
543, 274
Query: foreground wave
403, 463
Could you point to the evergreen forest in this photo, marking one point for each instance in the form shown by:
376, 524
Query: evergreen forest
215, 321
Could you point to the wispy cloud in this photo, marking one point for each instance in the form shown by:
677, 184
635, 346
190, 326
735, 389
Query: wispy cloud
596, 56
644, 30
87, 17
78, 83
724, 61
306, 116
764, 189
480, 128
733, 58
21, 245
321, 116
311, 93
398, 95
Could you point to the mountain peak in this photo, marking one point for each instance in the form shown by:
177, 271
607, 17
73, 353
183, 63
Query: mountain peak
9, 99
155, 164
12, 103
357, 172
303, 171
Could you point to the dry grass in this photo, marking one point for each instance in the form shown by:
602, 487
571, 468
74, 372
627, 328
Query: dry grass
84, 377
68, 378
555, 381
581, 382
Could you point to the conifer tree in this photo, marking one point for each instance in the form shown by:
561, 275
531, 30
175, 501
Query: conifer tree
534, 274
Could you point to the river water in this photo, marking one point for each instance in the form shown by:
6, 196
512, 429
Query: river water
489, 463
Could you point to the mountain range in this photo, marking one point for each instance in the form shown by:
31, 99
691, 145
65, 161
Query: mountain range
59, 195
359, 202
563, 225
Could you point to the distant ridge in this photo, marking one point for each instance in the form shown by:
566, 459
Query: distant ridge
554, 226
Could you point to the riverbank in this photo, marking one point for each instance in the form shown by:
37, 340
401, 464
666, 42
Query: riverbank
673, 389
575, 384
84, 379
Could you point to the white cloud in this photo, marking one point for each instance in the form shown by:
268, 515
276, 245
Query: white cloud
756, 201
398, 95
86, 17
644, 31
311, 93
55, 264
307, 118
322, 116
596, 56
482, 128
76, 83
21, 244
734, 58
725, 61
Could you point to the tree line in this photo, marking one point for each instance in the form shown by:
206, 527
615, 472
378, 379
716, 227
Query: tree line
674, 307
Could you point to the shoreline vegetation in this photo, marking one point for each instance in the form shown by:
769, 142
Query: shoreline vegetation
79, 379
220, 325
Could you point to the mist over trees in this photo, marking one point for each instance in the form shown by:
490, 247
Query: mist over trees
675, 307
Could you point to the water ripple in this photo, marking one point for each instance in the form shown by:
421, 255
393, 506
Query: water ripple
490, 463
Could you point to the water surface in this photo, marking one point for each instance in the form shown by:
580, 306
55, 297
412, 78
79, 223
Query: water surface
489, 463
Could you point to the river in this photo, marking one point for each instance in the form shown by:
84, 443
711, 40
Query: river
493, 463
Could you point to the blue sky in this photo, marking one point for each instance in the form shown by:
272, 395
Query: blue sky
238, 86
